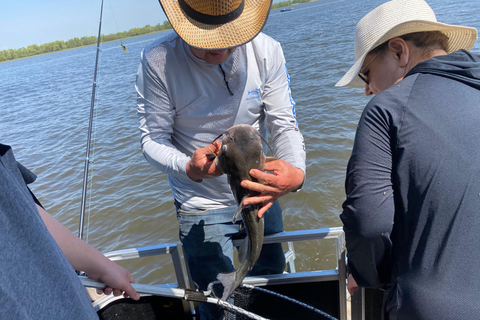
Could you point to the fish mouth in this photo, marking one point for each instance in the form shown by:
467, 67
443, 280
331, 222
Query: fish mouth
226, 134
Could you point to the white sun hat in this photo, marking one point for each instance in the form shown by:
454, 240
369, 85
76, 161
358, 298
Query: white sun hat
396, 18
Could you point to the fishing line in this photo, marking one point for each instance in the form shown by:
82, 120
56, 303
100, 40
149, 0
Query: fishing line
118, 30
266, 142
246, 296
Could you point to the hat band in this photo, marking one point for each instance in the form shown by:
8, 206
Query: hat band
210, 19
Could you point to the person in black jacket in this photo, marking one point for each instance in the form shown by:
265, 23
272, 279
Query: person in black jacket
412, 213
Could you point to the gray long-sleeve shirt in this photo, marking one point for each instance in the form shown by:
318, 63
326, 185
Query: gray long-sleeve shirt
36, 279
184, 104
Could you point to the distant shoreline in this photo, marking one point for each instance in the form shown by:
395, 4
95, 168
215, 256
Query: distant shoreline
88, 45
60, 45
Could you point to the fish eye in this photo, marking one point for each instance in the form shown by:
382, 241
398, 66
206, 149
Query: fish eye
224, 148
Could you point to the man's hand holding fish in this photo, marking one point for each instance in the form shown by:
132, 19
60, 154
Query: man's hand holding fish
284, 179
200, 167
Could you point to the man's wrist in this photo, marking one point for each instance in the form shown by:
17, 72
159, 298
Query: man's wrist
300, 186
188, 169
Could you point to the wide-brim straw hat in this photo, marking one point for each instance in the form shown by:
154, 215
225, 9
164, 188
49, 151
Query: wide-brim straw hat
216, 24
396, 18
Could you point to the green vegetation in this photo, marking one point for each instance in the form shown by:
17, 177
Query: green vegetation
33, 50
59, 45
288, 3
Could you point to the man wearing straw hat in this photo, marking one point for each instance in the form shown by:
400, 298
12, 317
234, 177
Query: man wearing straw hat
214, 71
411, 216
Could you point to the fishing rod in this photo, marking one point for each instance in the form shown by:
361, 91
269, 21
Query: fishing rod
87, 156
185, 294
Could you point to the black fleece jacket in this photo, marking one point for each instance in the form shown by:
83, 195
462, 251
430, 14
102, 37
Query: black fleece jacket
412, 213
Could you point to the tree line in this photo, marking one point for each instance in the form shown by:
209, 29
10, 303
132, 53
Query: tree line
287, 3
34, 49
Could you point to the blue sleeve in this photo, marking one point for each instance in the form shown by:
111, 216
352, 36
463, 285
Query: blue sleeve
369, 207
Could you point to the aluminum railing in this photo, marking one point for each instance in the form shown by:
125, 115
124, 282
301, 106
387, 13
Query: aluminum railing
289, 237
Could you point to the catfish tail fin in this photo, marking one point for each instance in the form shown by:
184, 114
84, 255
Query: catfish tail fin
228, 282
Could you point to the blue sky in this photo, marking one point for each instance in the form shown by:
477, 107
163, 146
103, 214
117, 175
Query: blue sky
26, 22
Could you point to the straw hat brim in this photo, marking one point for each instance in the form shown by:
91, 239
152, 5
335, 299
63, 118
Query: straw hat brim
460, 37
216, 37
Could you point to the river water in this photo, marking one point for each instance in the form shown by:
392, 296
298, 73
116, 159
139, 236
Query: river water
45, 103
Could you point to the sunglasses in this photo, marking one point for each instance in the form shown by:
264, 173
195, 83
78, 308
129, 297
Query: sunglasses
362, 75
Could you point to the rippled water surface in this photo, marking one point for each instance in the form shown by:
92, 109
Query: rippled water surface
45, 102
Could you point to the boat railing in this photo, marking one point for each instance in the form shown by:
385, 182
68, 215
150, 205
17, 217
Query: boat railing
289, 277
180, 269
337, 274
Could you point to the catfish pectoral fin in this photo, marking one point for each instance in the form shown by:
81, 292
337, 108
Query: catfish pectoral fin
239, 210
228, 282
269, 159
237, 214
